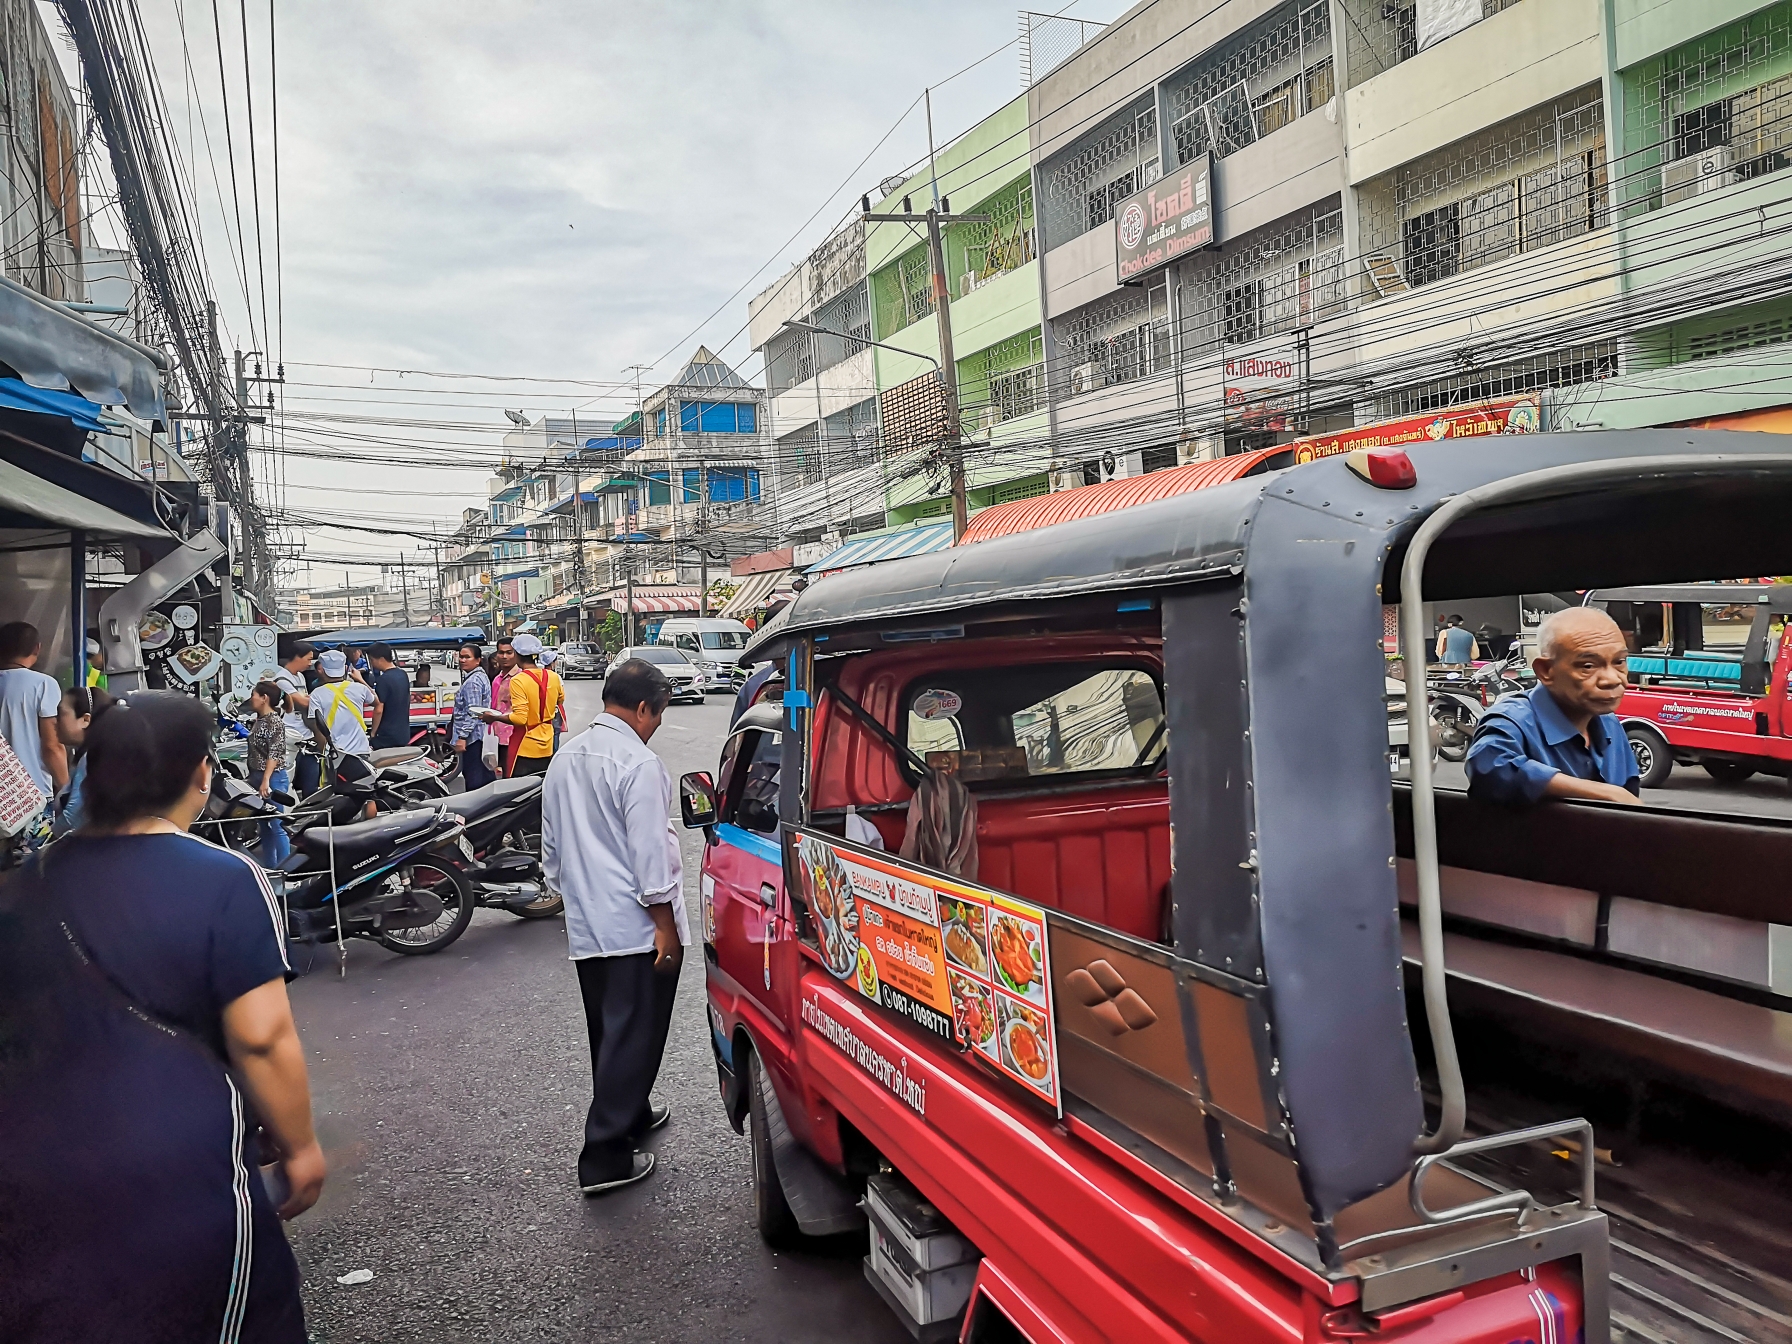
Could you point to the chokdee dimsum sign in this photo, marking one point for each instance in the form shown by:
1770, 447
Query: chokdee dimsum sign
1167, 220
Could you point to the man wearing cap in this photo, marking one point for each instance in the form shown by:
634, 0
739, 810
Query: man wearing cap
338, 707
96, 674
534, 701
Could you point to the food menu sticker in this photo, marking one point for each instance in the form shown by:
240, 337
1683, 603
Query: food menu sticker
878, 928
999, 970
966, 963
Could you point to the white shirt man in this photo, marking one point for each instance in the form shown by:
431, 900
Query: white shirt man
339, 705
609, 849
29, 701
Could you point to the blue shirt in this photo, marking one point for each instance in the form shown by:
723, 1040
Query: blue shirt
1525, 741
394, 691
475, 693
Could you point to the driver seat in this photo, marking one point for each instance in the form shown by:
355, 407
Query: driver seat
364, 839
493, 797
395, 756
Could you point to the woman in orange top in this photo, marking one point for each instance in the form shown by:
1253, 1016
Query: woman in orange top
534, 701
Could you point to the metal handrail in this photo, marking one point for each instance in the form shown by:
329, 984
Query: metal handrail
1550, 480
1520, 1201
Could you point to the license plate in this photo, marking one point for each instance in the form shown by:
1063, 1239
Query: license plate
466, 847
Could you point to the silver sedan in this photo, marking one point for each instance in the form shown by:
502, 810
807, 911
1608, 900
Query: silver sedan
688, 680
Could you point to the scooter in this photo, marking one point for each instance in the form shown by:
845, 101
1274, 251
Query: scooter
504, 834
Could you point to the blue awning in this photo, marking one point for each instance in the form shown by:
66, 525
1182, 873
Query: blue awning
534, 573
886, 546
52, 348
20, 396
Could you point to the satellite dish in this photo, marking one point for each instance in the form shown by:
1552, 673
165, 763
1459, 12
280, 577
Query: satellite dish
518, 418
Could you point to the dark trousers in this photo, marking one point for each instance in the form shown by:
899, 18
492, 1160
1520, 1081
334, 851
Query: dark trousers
628, 1011
530, 765
307, 773
474, 772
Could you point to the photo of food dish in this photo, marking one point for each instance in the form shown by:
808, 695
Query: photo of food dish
963, 936
1024, 1044
1014, 947
829, 890
974, 1012
154, 631
195, 662
867, 973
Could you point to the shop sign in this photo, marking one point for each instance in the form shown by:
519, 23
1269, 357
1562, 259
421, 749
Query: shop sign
1265, 383
965, 963
1168, 219
1511, 415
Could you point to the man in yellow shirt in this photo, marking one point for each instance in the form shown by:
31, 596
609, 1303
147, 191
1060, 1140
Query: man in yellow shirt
535, 696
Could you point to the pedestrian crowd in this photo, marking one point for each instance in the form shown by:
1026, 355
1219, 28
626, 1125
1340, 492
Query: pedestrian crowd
153, 1089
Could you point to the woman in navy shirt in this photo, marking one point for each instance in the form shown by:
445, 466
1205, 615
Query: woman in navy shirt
144, 1033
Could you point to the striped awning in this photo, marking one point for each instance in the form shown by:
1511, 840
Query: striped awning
1023, 515
885, 546
759, 590
658, 598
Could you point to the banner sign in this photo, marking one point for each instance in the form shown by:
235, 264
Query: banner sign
1168, 219
962, 962
1512, 415
1265, 383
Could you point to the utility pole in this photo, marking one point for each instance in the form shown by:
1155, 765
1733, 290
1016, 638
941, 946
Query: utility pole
938, 215
702, 536
404, 588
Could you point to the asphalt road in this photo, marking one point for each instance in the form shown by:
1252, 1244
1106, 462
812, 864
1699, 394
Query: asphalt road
450, 1094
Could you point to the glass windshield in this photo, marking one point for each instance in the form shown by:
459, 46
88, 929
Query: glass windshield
1035, 721
658, 653
724, 639
575, 648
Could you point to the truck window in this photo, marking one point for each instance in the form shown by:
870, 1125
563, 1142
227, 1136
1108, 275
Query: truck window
751, 764
724, 639
1035, 721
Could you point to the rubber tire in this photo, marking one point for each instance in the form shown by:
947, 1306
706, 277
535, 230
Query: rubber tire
463, 917
771, 1213
531, 841
1457, 754
1654, 759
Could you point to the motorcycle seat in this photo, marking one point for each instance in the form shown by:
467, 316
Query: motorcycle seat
493, 797
362, 839
386, 756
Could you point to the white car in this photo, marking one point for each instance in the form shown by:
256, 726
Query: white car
688, 680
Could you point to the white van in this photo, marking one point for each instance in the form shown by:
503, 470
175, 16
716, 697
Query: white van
712, 643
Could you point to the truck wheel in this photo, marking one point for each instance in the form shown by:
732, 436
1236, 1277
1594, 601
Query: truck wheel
777, 1225
1728, 772
1654, 761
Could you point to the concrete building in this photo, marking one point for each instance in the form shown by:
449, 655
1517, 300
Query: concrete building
1411, 207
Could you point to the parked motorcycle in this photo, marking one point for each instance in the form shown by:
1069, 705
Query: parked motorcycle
400, 878
1459, 698
504, 835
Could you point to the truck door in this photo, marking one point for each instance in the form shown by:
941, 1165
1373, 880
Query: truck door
746, 865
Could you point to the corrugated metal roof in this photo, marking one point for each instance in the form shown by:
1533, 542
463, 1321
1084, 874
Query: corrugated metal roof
1023, 515
885, 546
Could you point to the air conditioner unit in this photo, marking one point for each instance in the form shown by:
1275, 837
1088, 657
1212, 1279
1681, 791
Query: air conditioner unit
966, 283
988, 418
1696, 174
1084, 378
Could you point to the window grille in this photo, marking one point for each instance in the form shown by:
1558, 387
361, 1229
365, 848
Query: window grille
1006, 243
852, 435
1278, 69
1531, 181
1031, 488
1283, 277
1123, 337
1085, 182
849, 313
1560, 368
915, 274
802, 456
1709, 114
1379, 35
1002, 382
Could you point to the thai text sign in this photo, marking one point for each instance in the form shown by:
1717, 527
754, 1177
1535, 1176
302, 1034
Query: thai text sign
965, 963
1166, 220
1266, 382
1513, 415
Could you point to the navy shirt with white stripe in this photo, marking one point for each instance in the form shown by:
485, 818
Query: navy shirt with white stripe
182, 925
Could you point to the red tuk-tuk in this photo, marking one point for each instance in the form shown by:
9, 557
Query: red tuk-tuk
1063, 925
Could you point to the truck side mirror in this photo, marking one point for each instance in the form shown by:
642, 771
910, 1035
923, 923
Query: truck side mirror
697, 799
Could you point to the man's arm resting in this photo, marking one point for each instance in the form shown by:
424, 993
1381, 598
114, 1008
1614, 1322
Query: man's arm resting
1567, 786
55, 758
667, 950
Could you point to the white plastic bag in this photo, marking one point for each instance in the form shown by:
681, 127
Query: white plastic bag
488, 750
862, 832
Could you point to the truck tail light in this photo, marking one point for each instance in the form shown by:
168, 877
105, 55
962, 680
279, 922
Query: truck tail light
1383, 468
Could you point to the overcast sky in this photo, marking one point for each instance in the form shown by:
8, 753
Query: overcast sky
554, 191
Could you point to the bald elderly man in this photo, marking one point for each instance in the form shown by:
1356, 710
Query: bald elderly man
1562, 738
